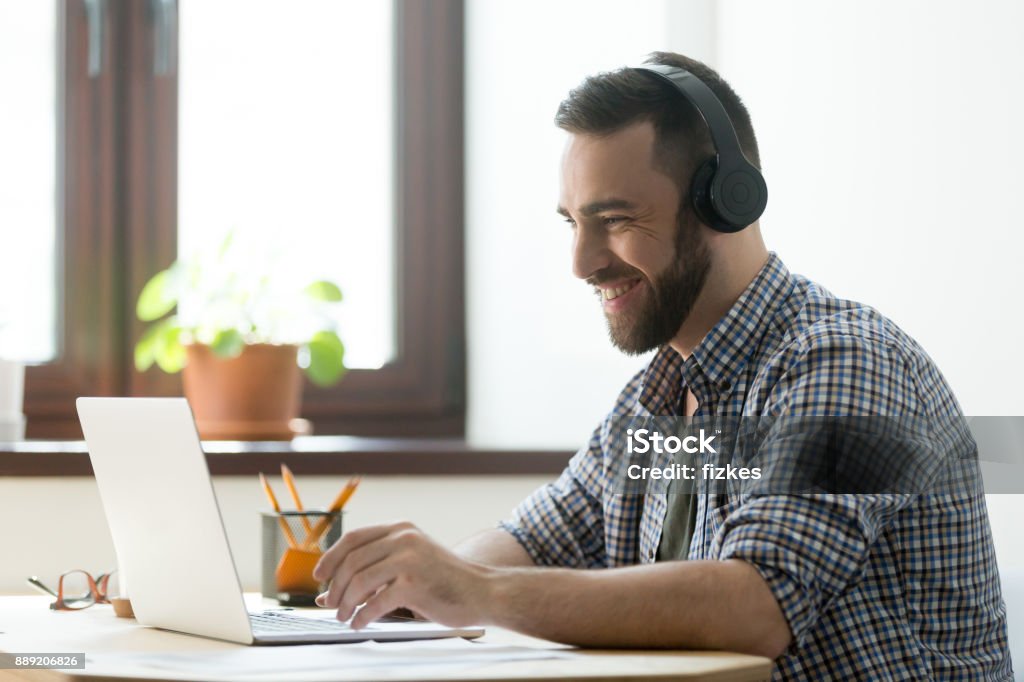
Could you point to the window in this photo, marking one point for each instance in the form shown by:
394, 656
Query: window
153, 161
28, 178
286, 139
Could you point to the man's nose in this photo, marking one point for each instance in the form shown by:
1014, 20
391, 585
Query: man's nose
589, 251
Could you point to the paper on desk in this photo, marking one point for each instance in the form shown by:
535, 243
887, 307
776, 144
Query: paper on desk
320, 661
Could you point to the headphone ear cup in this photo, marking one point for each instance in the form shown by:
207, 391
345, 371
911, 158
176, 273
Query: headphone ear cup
738, 196
727, 200
700, 193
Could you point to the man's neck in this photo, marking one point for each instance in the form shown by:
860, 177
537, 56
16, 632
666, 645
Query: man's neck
726, 283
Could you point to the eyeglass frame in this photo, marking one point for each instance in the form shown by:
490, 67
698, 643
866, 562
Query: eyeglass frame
97, 591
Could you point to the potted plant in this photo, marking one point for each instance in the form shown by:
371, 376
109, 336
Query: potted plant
241, 335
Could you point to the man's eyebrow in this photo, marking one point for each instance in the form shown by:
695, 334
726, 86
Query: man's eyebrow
595, 207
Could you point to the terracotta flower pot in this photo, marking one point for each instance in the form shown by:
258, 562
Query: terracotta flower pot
254, 396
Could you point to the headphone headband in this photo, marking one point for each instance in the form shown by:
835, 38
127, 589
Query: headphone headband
710, 108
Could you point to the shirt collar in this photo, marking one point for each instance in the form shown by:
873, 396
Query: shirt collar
725, 350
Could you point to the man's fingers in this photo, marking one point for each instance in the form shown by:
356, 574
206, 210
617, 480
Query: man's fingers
357, 560
351, 540
364, 585
333, 557
377, 606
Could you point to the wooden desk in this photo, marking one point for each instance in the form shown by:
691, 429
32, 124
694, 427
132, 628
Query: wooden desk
28, 626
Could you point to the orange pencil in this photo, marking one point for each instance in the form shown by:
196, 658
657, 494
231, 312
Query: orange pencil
289, 481
292, 542
339, 503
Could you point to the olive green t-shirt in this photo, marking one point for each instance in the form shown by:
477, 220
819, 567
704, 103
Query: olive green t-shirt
680, 519
680, 515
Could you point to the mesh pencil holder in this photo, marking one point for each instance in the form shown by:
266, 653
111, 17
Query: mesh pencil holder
286, 573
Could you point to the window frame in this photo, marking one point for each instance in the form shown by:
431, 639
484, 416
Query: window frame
117, 215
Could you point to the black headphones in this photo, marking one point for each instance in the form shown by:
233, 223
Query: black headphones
727, 191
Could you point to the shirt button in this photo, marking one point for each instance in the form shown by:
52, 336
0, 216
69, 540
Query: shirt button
724, 385
650, 555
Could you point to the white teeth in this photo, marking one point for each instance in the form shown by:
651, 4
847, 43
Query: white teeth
609, 294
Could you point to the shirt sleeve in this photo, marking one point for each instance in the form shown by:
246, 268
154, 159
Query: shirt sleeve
809, 549
812, 548
561, 523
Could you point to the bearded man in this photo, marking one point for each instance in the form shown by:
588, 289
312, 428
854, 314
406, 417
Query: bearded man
872, 584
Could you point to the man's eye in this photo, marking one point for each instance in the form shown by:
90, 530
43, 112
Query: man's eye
570, 222
614, 220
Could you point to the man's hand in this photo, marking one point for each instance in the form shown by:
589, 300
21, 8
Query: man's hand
728, 604
397, 565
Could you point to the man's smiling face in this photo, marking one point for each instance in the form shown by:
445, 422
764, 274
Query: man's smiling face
647, 267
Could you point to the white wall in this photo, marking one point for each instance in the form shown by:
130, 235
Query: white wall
53, 525
541, 371
891, 139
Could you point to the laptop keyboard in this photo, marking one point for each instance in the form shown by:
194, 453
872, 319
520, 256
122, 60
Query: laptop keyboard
275, 622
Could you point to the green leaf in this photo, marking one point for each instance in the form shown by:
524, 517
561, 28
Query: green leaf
145, 349
169, 352
158, 296
326, 359
324, 291
225, 245
228, 343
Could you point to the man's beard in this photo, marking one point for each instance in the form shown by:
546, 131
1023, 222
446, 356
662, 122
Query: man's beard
672, 294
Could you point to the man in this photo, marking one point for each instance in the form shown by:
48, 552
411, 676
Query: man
871, 586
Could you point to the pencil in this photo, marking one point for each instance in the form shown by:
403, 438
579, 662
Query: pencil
289, 481
292, 542
313, 537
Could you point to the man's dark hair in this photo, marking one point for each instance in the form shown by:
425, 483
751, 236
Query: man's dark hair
607, 102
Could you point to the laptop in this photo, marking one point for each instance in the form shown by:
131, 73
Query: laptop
170, 540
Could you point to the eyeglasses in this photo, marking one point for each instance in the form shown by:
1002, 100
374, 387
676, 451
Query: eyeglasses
78, 590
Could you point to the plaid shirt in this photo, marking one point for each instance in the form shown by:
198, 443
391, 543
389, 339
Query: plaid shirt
874, 587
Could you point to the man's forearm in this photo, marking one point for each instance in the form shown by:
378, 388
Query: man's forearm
680, 604
494, 547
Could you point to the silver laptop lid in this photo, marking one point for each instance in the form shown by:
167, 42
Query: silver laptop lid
163, 516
